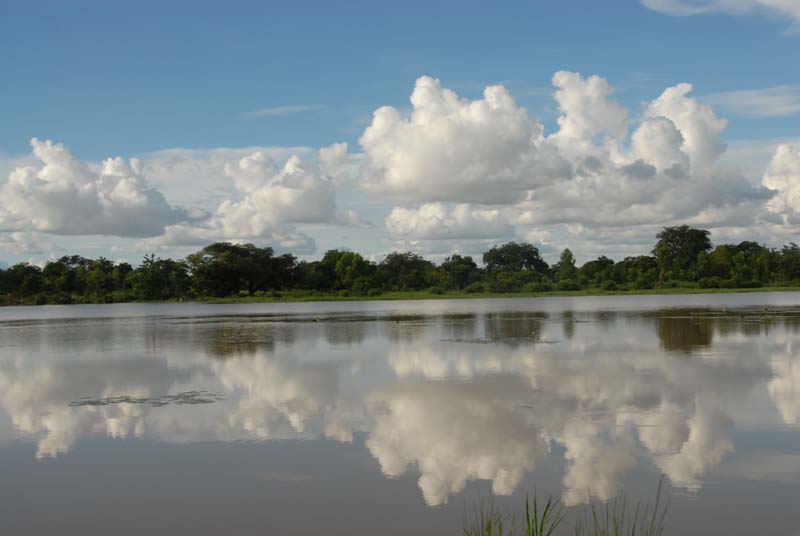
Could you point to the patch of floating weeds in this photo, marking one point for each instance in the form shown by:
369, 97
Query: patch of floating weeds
515, 340
189, 397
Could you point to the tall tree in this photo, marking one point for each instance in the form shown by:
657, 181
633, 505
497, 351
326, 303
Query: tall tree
223, 269
677, 249
514, 257
565, 269
458, 272
405, 271
596, 271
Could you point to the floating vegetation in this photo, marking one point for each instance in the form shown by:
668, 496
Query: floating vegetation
189, 397
513, 340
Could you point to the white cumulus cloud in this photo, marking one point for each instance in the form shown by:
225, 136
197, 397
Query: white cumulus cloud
268, 201
783, 175
586, 111
440, 221
453, 149
696, 121
60, 194
479, 169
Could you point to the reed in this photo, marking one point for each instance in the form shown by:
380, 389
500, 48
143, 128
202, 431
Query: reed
617, 517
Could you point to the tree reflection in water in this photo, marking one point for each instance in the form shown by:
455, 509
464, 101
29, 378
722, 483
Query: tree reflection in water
603, 399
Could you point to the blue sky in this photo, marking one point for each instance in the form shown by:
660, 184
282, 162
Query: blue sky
129, 79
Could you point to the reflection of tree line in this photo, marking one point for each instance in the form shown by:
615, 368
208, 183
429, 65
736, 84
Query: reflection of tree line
458, 412
677, 330
689, 330
231, 337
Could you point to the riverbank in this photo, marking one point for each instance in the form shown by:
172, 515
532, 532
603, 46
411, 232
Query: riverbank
294, 296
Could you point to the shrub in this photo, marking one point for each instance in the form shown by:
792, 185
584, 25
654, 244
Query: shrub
567, 284
751, 284
62, 298
710, 282
644, 281
475, 288
609, 284
539, 286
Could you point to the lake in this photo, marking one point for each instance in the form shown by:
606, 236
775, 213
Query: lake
365, 418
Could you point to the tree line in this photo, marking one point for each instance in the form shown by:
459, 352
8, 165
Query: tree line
683, 257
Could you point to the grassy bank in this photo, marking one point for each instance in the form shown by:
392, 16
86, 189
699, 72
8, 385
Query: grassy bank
308, 296
294, 296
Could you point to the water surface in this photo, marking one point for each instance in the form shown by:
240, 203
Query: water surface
363, 418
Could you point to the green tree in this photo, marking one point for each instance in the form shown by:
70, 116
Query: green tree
788, 264
340, 269
223, 269
58, 278
349, 267
639, 272
596, 271
405, 271
24, 279
66, 275
159, 279
565, 269
514, 257
120, 275
456, 272
99, 277
677, 249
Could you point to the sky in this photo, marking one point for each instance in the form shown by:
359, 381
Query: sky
434, 127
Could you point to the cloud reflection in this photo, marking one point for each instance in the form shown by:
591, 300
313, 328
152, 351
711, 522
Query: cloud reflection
600, 395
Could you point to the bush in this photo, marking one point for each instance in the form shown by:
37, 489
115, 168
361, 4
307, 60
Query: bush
475, 288
438, 290
62, 298
539, 286
644, 281
710, 282
751, 284
504, 282
609, 284
363, 286
567, 284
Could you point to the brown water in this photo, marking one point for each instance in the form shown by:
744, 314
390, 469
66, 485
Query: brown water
366, 418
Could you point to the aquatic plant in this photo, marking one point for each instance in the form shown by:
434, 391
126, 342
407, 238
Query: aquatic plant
488, 520
614, 518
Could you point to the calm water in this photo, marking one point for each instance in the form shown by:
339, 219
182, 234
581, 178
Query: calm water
392, 417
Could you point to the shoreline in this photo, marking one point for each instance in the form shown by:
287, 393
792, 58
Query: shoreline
416, 295
460, 295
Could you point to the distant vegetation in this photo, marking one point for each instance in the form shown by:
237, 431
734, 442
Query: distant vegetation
682, 257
